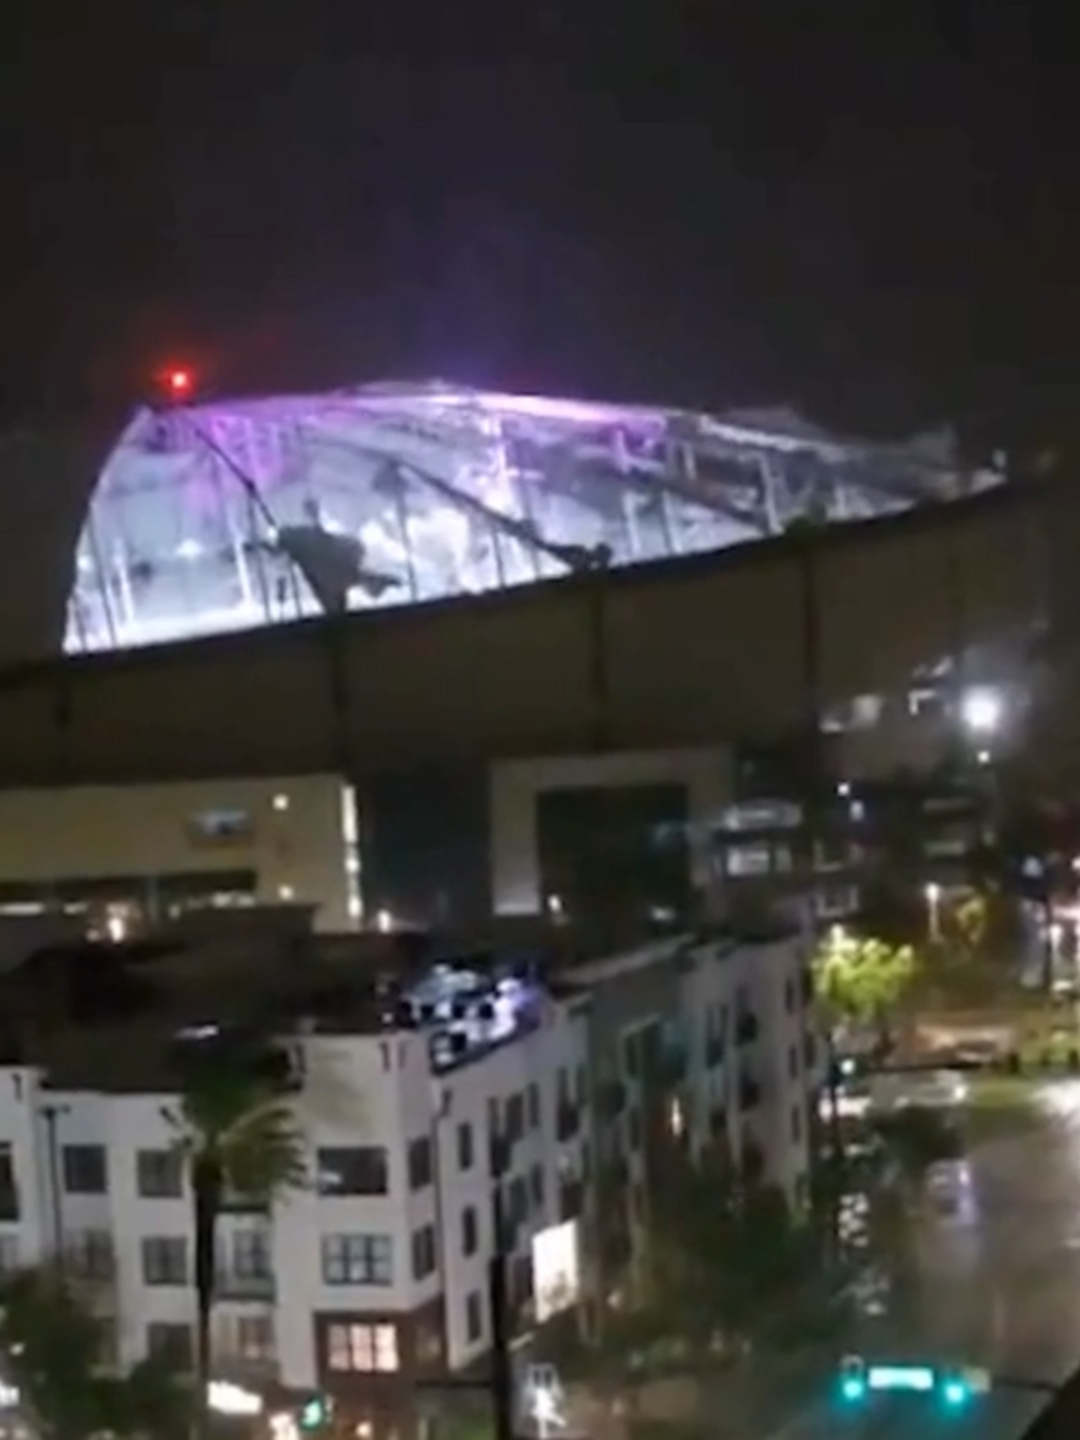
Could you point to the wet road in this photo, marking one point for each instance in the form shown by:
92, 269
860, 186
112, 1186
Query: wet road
999, 1271
996, 1417
995, 1284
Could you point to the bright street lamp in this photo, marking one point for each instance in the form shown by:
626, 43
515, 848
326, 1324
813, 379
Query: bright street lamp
933, 909
981, 711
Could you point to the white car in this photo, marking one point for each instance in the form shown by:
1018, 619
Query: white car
934, 1089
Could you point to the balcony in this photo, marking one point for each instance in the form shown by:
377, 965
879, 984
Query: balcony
747, 1028
258, 1289
567, 1121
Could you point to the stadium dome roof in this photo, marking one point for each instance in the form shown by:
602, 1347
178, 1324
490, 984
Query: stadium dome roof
225, 516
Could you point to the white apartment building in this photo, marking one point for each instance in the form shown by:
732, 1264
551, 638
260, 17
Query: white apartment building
375, 1273
724, 1020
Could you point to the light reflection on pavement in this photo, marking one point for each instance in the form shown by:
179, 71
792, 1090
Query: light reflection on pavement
1003, 1417
999, 1286
996, 1285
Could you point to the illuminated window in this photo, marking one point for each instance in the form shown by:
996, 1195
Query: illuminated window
366, 1348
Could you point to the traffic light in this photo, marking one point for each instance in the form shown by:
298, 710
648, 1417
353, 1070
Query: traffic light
853, 1379
955, 1391
314, 1412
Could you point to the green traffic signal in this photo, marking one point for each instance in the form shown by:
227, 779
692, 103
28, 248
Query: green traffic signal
314, 1413
954, 1392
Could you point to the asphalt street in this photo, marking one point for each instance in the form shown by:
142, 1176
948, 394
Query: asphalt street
994, 1284
998, 1273
997, 1417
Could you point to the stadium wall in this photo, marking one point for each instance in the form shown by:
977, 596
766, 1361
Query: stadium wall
690, 652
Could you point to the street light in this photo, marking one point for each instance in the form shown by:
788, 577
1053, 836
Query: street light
933, 909
981, 710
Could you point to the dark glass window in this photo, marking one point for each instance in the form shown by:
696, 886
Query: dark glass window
164, 1260
353, 1170
470, 1231
167, 1340
159, 1174
615, 851
357, 1259
425, 1254
83, 1169
420, 1163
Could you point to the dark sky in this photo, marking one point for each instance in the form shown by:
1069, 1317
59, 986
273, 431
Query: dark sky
867, 205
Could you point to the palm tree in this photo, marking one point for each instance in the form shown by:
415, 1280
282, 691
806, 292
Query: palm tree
237, 1132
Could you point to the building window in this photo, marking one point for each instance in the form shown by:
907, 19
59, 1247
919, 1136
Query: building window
364, 1348
515, 1117
532, 1105
220, 827
353, 1170
793, 1061
9, 1190
474, 1317
89, 1255
536, 1187
470, 1231
796, 1125
159, 1174
164, 1260
255, 1337
424, 1252
357, 1260
9, 1254
631, 1051
166, 1340
252, 1256
83, 1169
752, 858
420, 1163
465, 1152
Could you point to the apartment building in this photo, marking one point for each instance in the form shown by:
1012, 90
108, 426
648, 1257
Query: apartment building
695, 1042
430, 1109
125, 858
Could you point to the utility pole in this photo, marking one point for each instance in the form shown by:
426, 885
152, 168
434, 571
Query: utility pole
50, 1114
499, 1383
502, 1368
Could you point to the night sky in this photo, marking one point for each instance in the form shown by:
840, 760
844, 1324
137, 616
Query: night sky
847, 203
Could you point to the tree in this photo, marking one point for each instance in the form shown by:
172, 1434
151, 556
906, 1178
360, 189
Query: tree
238, 1135
51, 1353
979, 935
860, 980
738, 1265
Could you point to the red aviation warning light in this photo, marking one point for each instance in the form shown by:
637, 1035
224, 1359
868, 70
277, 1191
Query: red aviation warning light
179, 383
